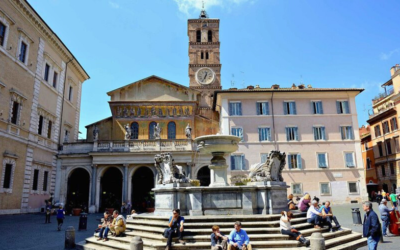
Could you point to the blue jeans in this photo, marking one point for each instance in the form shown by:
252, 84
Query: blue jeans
315, 220
373, 242
105, 231
385, 224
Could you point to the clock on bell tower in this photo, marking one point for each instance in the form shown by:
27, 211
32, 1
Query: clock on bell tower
204, 62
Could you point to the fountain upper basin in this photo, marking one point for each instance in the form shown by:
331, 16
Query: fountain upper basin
217, 143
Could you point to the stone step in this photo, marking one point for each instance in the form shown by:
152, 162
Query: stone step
111, 244
337, 241
351, 245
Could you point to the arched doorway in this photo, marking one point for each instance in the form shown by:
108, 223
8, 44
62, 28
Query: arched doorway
204, 176
78, 190
111, 189
142, 183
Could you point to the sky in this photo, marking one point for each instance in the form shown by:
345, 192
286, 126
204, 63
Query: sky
324, 43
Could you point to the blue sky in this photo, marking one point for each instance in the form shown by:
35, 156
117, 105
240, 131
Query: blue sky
337, 43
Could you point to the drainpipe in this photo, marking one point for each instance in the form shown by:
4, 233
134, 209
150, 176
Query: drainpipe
276, 147
62, 104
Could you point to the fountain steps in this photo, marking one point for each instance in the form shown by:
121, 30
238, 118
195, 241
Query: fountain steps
263, 232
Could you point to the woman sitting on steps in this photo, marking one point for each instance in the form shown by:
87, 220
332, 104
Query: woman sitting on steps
287, 229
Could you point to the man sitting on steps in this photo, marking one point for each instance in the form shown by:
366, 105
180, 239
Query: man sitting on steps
313, 215
118, 226
175, 228
238, 238
327, 211
218, 240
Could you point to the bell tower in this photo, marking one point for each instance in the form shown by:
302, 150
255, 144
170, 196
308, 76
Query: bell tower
204, 59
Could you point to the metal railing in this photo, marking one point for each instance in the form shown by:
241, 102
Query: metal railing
382, 96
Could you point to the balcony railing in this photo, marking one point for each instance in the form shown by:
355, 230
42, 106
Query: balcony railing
380, 111
128, 146
382, 96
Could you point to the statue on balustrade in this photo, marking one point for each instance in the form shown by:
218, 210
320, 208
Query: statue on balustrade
160, 113
127, 132
95, 133
168, 114
132, 111
153, 111
271, 169
139, 111
188, 131
119, 111
157, 131
167, 171
125, 112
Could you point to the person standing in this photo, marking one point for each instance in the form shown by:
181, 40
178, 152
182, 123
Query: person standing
379, 197
60, 217
48, 212
384, 211
218, 240
238, 238
393, 198
371, 226
175, 228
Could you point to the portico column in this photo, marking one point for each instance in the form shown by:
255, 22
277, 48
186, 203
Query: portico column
92, 208
125, 184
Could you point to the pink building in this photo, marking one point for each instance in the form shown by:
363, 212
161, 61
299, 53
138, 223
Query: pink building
316, 128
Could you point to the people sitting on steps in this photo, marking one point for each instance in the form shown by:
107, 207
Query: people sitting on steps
304, 203
175, 228
238, 238
105, 226
218, 240
291, 204
384, 211
287, 229
118, 226
326, 210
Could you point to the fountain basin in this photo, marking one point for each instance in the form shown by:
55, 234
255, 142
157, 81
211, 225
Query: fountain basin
217, 143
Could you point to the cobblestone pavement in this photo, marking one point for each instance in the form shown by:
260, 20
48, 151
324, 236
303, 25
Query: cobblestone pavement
29, 231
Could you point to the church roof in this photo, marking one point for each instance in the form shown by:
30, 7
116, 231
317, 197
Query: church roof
156, 77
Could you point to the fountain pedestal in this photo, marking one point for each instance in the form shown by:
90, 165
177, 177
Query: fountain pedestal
218, 170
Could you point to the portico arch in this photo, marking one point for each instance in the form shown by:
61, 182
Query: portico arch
78, 188
142, 182
111, 188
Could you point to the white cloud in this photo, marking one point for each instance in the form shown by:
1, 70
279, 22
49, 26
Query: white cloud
185, 6
386, 56
114, 5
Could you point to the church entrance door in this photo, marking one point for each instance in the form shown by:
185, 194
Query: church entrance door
204, 176
78, 190
111, 189
142, 196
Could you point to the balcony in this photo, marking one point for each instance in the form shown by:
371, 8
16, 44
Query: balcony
382, 96
128, 146
390, 106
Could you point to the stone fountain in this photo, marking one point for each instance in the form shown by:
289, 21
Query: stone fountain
265, 194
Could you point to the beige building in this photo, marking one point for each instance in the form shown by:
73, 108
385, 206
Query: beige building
317, 128
385, 133
40, 92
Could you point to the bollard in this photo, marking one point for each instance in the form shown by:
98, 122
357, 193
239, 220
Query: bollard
70, 238
136, 243
317, 242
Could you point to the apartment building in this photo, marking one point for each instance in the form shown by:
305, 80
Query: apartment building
317, 128
40, 92
371, 177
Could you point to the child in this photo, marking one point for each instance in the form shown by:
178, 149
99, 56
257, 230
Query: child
60, 216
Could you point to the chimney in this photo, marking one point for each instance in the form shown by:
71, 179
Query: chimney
294, 86
275, 86
257, 86
301, 86
250, 87
394, 69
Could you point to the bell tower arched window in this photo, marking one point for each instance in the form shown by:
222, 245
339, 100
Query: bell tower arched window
134, 130
202, 55
209, 36
207, 56
198, 36
171, 130
151, 130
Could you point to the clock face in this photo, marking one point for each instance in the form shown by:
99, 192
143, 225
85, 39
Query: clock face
205, 76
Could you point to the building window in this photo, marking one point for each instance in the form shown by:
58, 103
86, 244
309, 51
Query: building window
46, 72
391, 166
296, 188
207, 57
377, 129
209, 36
198, 36
35, 179
7, 176
342, 107
319, 133
325, 188
134, 130
22, 52
393, 123
55, 79
322, 160
45, 180
49, 127
388, 147
15, 113
292, 134
353, 188
385, 127
237, 162
349, 159
317, 107
235, 108
2, 34
262, 108
264, 157
368, 163
383, 170
237, 132
264, 134
40, 127
152, 126
347, 132
380, 149
202, 55
366, 145
396, 144
66, 135
294, 161
70, 93
289, 108
171, 130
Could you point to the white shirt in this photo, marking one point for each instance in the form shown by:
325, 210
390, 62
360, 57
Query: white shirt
312, 210
285, 225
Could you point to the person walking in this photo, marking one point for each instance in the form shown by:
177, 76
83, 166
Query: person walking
48, 212
60, 217
393, 198
371, 226
379, 197
384, 211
